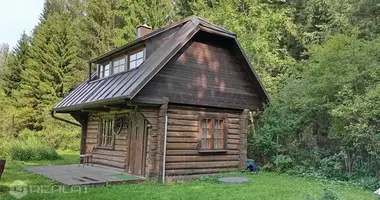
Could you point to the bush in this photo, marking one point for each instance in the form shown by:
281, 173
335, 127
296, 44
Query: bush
33, 150
331, 166
282, 163
57, 138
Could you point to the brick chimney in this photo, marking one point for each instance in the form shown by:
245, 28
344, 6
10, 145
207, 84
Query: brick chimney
143, 30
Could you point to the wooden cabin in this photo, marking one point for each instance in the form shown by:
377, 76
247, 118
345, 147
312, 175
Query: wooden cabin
173, 103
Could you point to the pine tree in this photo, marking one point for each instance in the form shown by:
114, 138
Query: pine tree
52, 69
16, 65
4, 54
95, 30
131, 13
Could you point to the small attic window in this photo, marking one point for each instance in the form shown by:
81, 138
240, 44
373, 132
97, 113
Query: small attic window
104, 70
121, 63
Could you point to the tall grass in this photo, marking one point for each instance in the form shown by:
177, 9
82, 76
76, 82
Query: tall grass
26, 150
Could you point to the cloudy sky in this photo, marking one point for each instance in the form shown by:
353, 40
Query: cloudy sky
17, 16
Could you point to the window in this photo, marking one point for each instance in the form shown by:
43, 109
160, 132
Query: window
104, 70
106, 133
119, 65
136, 59
212, 132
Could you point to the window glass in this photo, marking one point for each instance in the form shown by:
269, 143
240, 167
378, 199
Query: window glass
106, 132
119, 65
100, 70
106, 70
136, 59
212, 134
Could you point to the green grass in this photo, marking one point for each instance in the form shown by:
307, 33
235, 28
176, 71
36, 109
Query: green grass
124, 176
261, 186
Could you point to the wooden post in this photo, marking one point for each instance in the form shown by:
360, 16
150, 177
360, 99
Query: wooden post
83, 120
160, 136
243, 138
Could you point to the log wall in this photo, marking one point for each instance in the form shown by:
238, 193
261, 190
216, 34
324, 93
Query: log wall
117, 157
183, 158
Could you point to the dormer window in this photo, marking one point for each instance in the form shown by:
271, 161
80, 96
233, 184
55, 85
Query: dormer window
104, 70
119, 65
125, 62
136, 59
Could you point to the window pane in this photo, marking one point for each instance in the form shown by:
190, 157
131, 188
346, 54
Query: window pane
132, 57
106, 73
119, 65
138, 62
206, 134
140, 54
106, 67
132, 65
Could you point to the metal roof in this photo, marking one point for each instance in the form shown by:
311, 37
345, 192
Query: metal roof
126, 85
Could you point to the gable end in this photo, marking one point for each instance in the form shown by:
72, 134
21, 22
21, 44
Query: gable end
210, 70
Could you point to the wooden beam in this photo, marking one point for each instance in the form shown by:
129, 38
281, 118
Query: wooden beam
96, 110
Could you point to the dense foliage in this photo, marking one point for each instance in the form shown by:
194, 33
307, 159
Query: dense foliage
319, 60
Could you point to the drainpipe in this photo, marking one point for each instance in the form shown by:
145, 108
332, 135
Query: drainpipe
164, 156
52, 113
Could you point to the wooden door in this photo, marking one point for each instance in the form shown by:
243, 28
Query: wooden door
137, 142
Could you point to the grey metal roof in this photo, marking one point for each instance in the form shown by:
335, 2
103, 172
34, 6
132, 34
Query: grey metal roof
126, 85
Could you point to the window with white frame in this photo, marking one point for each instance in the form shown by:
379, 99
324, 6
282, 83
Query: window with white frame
104, 70
136, 59
119, 65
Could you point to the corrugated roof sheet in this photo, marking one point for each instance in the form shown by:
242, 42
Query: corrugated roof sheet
126, 85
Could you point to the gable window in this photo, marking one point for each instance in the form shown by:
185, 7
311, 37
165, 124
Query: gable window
136, 59
106, 133
118, 65
212, 133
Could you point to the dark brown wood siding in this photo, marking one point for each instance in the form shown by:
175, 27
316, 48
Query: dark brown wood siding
152, 44
182, 156
206, 72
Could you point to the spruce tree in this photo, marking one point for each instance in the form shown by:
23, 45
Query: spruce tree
131, 13
16, 64
95, 30
51, 71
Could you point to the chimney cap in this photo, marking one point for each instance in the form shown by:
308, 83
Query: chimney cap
145, 26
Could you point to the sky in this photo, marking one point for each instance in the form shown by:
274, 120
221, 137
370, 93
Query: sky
17, 16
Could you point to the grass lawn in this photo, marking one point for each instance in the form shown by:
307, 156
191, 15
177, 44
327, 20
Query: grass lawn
261, 186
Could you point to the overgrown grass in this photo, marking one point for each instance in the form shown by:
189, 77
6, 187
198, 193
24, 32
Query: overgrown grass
261, 186
30, 148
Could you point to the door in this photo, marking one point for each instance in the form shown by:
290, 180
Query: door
137, 144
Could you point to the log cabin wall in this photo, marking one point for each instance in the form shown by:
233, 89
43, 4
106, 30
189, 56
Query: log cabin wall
183, 158
117, 157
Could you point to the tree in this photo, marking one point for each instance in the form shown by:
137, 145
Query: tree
95, 30
263, 30
332, 106
11, 77
52, 69
4, 54
131, 13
